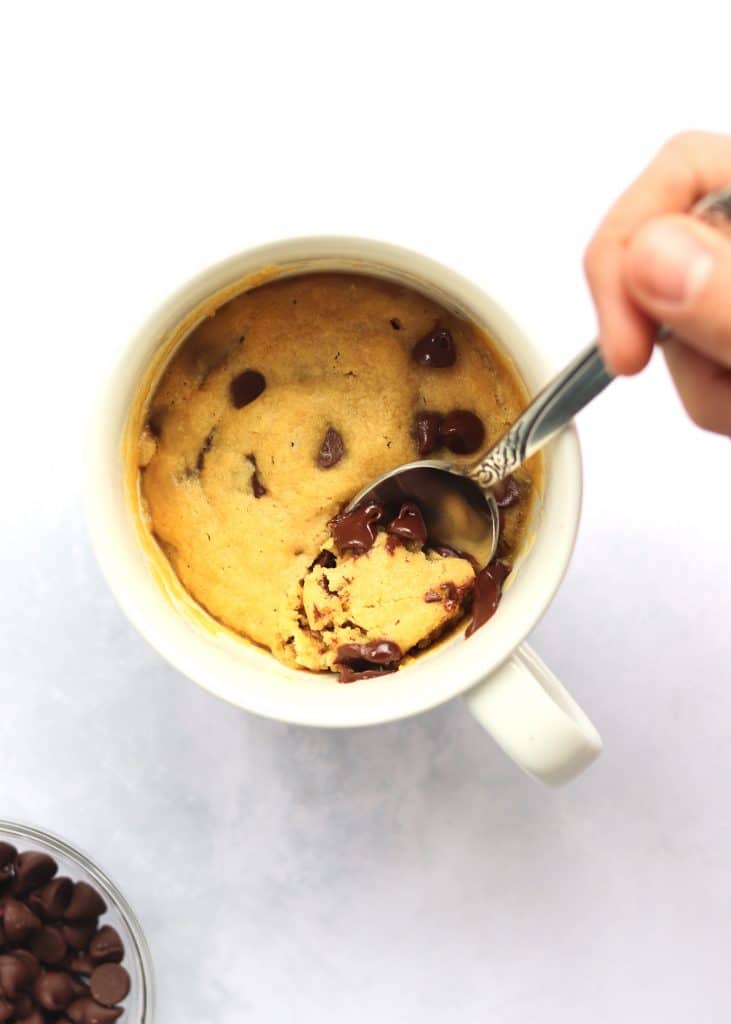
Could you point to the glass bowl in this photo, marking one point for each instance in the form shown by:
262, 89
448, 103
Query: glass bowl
139, 1006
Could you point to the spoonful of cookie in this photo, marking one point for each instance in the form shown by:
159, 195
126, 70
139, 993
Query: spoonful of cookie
458, 501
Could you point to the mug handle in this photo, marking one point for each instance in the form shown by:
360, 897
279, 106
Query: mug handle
534, 719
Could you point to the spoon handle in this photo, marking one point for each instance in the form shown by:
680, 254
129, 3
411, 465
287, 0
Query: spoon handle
582, 380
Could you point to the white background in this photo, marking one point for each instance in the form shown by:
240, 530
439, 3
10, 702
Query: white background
405, 873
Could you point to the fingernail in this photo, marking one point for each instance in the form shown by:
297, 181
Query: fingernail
670, 264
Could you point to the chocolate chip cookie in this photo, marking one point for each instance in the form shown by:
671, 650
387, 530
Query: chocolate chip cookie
279, 407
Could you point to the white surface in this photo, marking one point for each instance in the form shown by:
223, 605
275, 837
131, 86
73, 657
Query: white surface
409, 872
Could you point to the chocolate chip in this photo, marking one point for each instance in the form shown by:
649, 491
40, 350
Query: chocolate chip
33, 900
87, 1011
33, 869
14, 975
109, 984
332, 449
53, 899
204, 450
487, 593
431, 596
85, 903
426, 432
462, 432
395, 323
49, 945
78, 987
356, 530
409, 524
54, 991
82, 964
77, 1010
8, 854
24, 1006
452, 595
106, 946
79, 934
326, 559
256, 485
377, 652
436, 349
34, 1016
245, 387
507, 493
19, 922
350, 675
30, 961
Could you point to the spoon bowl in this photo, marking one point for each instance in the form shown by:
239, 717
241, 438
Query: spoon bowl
458, 513
457, 500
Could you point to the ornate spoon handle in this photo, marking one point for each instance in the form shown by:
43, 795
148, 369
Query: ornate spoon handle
583, 379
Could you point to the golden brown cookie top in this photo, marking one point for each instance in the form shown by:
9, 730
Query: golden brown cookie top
280, 407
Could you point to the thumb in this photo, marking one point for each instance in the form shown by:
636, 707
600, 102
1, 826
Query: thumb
678, 271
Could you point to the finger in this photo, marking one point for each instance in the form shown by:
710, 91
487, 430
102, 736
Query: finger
686, 168
704, 386
626, 335
678, 272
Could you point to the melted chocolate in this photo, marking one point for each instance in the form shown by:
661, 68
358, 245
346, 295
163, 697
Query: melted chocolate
245, 387
431, 597
436, 349
357, 661
326, 559
349, 675
392, 542
409, 524
205, 448
462, 432
256, 485
377, 652
507, 493
332, 449
487, 593
426, 432
356, 530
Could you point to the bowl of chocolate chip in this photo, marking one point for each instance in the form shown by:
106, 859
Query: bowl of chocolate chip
71, 949
249, 410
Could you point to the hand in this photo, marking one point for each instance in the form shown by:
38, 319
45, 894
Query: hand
651, 263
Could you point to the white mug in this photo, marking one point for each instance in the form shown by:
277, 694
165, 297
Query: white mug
504, 684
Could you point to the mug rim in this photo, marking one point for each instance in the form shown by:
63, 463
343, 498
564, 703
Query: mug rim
446, 672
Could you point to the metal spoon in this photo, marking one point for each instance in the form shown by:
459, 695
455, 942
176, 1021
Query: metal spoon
457, 500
